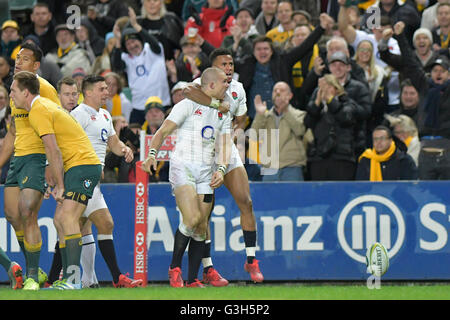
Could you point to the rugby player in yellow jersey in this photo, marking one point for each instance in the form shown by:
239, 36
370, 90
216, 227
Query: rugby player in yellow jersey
22, 195
73, 163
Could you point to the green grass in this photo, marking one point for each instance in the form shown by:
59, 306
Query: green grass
237, 291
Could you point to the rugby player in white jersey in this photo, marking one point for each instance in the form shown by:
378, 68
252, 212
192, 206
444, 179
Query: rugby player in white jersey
97, 123
236, 179
202, 132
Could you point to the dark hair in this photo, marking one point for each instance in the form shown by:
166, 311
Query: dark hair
406, 83
385, 21
89, 81
27, 80
219, 52
69, 81
42, 5
384, 128
37, 52
262, 38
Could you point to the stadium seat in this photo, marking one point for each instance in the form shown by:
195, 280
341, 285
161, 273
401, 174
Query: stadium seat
21, 4
127, 92
4, 11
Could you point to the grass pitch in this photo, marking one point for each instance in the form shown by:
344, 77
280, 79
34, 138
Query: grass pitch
242, 291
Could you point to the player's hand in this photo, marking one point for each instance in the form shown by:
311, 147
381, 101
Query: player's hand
148, 164
216, 179
224, 107
58, 193
48, 191
128, 154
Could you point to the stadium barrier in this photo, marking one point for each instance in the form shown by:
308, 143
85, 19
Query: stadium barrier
306, 231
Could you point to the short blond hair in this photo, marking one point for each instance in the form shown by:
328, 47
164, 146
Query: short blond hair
332, 81
403, 121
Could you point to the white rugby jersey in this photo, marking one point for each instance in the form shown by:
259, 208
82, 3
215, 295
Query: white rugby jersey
147, 76
97, 125
235, 96
198, 128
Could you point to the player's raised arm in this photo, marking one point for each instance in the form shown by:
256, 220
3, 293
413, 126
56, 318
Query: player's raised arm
166, 128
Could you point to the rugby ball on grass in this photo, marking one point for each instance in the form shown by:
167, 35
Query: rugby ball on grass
377, 259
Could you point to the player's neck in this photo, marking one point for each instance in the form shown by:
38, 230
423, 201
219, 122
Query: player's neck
92, 105
30, 101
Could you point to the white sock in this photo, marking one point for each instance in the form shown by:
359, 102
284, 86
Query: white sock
250, 251
88, 251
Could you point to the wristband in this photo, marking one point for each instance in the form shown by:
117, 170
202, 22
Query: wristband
152, 153
215, 103
222, 169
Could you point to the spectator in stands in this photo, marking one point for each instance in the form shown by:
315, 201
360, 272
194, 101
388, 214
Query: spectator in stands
104, 14
310, 7
177, 93
190, 63
68, 93
301, 17
194, 6
441, 34
405, 129
141, 56
331, 115
266, 19
385, 161
48, 70
117, 103
409, 101
4, 102
88, 39
69, 55
103, 62
429, 16
259, 72
303, 66
434, 124
281, 33
166, 26
354, 37
396, 12
6, 72
242, 34
154, 115
10, 39
288, 121
213, 23
424, 52
42, 27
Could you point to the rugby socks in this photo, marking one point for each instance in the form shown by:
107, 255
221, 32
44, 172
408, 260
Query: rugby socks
4, 260
195, 254
55, 269
62, 248
179, 247
87, 260
206, 260
20, 238
73, 255
250, 245
106, 245
32, 252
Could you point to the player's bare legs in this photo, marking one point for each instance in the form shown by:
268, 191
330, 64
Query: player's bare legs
192, 231
66, 219
11, 208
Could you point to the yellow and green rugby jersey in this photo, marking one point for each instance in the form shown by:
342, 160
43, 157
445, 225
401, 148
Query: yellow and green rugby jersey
46, 117
27, 141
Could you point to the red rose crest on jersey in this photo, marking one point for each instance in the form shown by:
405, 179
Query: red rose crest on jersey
198, 112
234, 94
106, 117
220, 115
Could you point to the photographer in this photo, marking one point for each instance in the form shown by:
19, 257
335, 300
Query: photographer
116, 169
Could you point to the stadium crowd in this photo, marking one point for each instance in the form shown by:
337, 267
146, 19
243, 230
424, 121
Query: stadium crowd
345, 68
355, 89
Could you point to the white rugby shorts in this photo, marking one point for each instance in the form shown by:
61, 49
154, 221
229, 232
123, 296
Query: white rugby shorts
197, 175
97, 202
